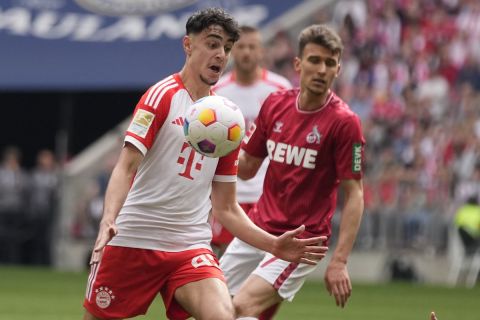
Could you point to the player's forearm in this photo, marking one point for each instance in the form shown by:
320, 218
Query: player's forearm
117, 191
248, 165
349, 225
238, 223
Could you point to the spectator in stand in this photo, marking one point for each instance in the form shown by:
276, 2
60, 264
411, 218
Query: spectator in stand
467, 221
13, 195
247, 85
43, 195
279, 56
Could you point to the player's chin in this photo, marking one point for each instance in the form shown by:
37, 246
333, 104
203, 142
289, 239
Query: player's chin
317, 90
212, 78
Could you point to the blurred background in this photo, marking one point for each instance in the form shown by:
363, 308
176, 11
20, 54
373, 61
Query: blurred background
71, 73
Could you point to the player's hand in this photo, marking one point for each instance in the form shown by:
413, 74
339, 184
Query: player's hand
433, 316
338, 282
310, 251
105, 234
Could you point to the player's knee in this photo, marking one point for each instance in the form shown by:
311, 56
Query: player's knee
244, 307
223, 311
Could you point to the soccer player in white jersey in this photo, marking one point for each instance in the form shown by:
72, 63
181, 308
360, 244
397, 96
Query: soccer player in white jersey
154, 235
248, 85
315, 145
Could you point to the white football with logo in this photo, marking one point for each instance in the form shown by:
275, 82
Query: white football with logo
214, 126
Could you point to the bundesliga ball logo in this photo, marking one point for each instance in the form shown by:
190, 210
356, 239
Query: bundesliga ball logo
214, 126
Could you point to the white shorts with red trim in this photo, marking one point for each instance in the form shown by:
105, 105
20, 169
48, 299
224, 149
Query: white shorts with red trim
241, 259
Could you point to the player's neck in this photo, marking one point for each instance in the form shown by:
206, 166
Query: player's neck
248, 78
196, 88
310, 102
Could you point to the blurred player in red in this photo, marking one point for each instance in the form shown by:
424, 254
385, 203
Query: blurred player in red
155, 235
315, 145
248, 85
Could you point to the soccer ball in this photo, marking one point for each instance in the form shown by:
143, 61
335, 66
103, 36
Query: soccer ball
214, 126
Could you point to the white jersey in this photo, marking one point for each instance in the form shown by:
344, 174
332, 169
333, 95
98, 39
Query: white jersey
168, 205
250, 99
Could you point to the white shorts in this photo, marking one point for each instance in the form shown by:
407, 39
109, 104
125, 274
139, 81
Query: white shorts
241, 259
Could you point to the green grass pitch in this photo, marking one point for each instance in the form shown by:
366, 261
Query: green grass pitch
41, 294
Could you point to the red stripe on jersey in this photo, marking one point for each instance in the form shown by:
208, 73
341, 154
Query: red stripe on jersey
266, 263
284, 275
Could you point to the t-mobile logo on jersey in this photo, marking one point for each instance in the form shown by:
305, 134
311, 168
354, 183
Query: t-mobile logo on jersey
285, 153
189, 159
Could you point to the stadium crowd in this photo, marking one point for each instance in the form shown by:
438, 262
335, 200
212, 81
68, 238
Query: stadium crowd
27, 207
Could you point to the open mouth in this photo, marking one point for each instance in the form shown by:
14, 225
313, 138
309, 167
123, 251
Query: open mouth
215, 69
319, 81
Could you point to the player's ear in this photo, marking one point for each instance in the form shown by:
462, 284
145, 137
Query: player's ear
339, 69
187, 45
296, 64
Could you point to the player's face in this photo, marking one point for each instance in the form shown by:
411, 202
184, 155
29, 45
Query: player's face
247, 52
318, 68
208, 53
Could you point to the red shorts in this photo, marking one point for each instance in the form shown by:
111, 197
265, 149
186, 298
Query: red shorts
220, 235
126, 280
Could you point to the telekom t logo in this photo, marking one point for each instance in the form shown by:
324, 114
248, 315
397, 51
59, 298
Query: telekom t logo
188, 161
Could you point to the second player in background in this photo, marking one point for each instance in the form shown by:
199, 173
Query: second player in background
248, 84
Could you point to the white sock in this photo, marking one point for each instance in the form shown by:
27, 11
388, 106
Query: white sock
247, 318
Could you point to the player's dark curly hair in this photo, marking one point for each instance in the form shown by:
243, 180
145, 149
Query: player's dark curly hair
203, 19
322, 35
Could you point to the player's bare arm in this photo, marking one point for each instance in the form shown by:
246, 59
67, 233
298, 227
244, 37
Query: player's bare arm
117, 190
337, 279
287, 246
248, 165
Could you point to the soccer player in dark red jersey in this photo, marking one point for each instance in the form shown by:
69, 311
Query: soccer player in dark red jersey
315, 145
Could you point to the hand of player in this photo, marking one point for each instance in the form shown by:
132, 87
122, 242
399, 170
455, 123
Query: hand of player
288, 247
105, 234
338, 282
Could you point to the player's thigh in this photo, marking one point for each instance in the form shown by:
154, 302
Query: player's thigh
285, 277
273, 280
255, 296
238, 262
206, 299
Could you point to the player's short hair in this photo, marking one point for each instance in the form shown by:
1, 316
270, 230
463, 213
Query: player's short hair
322, 35
248, 29
205, 18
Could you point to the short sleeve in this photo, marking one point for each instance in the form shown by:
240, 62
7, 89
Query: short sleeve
227, 167
349, 149
147, 120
